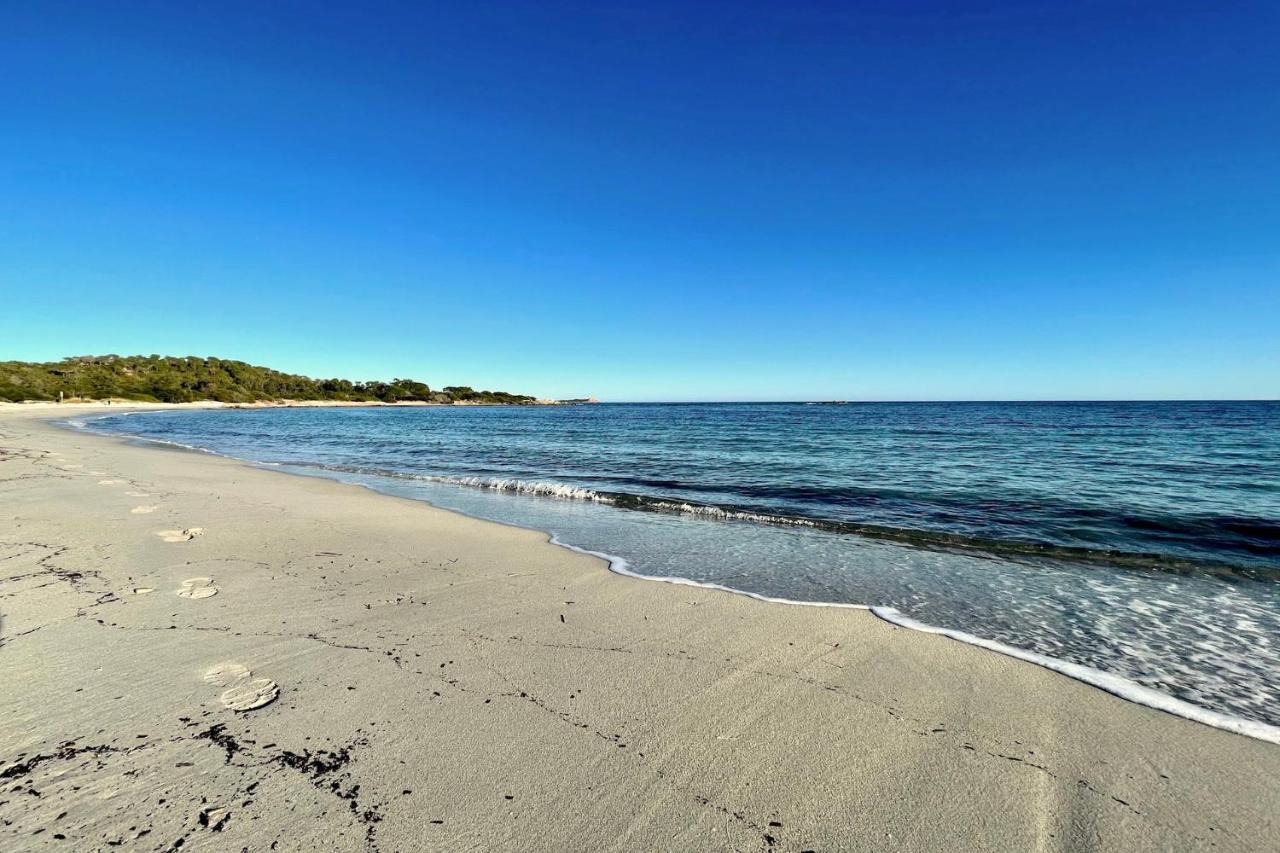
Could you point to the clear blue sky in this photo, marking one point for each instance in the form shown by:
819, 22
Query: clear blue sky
641, 201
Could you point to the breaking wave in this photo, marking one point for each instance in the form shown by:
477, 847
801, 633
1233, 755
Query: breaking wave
936, 540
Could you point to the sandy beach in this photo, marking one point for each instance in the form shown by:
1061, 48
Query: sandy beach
198, 653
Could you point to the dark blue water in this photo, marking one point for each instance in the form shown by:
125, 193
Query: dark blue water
1139, 538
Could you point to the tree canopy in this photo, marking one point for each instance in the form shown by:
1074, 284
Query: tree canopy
166, 379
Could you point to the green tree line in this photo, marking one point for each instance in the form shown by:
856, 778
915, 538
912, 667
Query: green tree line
166, 379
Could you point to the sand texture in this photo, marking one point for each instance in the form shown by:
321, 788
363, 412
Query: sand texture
376, 674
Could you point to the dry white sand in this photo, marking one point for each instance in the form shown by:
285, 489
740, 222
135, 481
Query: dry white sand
376, 674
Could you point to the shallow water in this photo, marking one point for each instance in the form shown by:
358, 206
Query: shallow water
1142, 539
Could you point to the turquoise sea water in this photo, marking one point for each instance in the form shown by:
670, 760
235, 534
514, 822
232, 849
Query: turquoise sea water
1141, 539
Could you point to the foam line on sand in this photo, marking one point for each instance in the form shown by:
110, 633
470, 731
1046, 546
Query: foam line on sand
1113, 684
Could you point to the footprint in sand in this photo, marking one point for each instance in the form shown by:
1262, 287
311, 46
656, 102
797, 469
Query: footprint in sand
141, 510
214, 818
243, 692
197, 588
184, 535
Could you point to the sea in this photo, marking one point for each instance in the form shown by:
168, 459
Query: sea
1135, 545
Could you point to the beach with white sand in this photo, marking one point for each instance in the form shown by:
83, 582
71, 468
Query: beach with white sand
198, 653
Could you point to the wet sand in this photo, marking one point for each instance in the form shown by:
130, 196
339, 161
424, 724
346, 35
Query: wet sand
196, 653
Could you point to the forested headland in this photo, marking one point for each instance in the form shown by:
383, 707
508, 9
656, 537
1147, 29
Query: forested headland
166, 379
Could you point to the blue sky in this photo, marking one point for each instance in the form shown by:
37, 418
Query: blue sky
654, 201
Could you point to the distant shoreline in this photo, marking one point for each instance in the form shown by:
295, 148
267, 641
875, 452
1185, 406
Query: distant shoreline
189, 379
285, 404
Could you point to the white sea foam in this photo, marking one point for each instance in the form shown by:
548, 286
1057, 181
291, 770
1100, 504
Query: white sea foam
715, 512
560, 490
1114, 684
524, 487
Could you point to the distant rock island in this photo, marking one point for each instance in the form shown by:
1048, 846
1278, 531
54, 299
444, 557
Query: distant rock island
189, 379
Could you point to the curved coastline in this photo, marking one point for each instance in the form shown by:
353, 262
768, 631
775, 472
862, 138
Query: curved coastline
1251, 566
1115, 685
